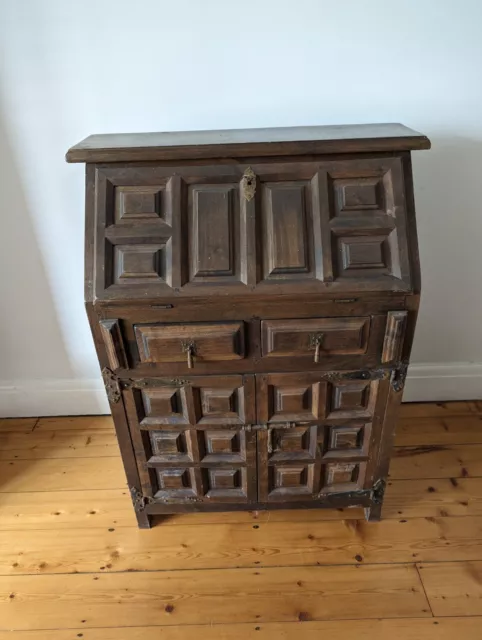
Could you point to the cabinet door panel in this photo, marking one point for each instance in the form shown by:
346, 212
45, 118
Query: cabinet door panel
197, 401
184, 464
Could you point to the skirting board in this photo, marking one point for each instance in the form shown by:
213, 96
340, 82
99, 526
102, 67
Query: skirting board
27, 398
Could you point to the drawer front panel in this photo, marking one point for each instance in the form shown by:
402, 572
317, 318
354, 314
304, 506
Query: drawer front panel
308, 226
315, 337
207, 342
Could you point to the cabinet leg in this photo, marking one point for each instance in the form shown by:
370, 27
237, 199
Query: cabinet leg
144, 521
373, 513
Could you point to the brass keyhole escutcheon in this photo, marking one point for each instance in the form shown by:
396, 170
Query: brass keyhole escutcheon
189, 348
249, 184
316, 340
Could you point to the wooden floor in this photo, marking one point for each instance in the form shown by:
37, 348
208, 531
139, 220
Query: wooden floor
74, 565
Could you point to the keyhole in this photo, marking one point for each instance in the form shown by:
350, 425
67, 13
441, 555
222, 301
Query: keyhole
249, 183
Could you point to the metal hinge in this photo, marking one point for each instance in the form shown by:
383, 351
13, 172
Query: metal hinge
139, 500
112, 387
378, 491
398, 377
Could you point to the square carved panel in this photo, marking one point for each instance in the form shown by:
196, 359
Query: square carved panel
170, 446
219, 405
177, 483
223, 445
164, 405
291, 402
296, 443
347, 441
358, 195
290, 481
139, 263
344, 476
138, 204
226, 483
354, 399
364, 252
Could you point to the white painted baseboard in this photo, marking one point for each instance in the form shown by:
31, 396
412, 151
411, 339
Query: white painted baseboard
24, 398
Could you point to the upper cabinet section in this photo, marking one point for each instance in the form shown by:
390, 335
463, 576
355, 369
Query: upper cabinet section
263, 227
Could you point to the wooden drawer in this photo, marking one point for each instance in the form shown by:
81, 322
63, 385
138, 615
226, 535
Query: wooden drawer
200, 342
315, 337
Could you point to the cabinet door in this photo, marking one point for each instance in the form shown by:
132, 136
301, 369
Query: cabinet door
321, 437
190, 440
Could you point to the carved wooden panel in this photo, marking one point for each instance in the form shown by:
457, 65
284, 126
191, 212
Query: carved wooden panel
352, 400
186, 465
198, 401
394, 335
287, 240
347, 440
114, 344
213, 233
367, 222
343, 476
290, 397
209, 342
333, 336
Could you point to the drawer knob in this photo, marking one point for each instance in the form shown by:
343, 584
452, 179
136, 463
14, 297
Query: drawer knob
189, 348
316, 340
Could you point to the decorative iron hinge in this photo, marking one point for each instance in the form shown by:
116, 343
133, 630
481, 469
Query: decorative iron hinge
112, 387
364, 374
138, 500
378, 491
181, 500
131, 383
398, 377
248, 187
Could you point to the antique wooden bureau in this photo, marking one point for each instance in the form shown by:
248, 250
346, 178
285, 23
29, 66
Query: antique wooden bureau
252, 296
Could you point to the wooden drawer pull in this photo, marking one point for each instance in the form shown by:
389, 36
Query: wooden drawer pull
189, 347
316, 340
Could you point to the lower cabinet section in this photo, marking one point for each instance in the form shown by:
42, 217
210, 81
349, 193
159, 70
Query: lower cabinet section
191, 448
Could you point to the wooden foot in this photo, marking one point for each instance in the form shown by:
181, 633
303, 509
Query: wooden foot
373, 513
144, 521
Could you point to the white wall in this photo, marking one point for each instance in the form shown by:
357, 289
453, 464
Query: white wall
71, 68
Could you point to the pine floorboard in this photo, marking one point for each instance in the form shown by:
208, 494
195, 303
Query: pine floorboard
74, 565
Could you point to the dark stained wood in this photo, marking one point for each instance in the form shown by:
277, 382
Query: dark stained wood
253, 296
235, 143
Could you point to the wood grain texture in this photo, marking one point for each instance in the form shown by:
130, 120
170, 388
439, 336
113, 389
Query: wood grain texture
453, 588
58, 444
395, 629
235, 143
193, 597
436, 461
220, 546
17, 425
463, 429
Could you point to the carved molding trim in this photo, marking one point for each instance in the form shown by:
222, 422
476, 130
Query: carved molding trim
394, 335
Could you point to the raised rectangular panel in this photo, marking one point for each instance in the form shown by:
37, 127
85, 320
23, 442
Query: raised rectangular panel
139, 263
337, 336
287, 237
114, 344
352, 399
290, 481
171, 446
394, 336
213, 232
290, 397
139, 204
295, 443
347, 441
210, 342
364, 252
177, 484
343, 476
224, 446
226, 484
165, 405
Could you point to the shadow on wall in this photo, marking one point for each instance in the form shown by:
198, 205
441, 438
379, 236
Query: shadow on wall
31, 345
447, 182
